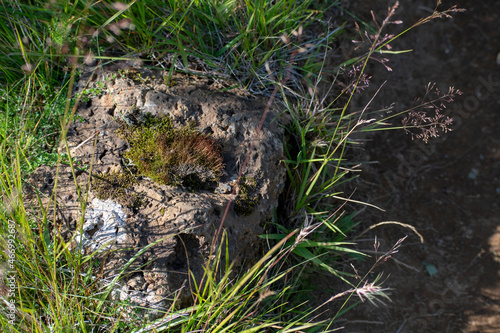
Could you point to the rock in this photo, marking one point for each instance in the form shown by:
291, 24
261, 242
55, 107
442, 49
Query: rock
180, 222
223, 188
103, 227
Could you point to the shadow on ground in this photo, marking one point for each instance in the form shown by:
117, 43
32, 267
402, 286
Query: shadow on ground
449, 189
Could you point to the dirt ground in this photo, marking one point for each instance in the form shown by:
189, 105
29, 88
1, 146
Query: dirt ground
448, 189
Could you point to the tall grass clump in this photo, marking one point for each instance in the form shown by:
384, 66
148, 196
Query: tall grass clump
218, 38
46, 286
322, 130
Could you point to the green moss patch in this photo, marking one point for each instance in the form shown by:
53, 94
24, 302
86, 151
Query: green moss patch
172, 156
246, 200
135, 75
116, 186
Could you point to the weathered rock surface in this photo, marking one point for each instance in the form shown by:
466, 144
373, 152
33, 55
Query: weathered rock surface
183, 222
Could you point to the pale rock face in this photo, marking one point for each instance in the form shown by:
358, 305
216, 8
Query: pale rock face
178, 224
104, 226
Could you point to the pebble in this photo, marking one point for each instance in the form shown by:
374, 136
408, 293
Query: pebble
473, 173
231, 130
223, 188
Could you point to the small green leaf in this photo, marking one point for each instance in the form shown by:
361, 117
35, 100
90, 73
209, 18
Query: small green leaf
46, 237
431, 269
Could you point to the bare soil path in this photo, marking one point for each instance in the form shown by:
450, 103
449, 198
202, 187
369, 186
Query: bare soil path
449, 189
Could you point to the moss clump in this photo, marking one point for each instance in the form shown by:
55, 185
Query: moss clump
172, 156
135, 75
246, 201
116, 186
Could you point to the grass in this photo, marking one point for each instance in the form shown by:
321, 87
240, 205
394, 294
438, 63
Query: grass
260, 45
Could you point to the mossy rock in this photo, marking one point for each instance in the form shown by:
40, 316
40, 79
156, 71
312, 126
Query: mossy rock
172, 156
246, 200
117, 186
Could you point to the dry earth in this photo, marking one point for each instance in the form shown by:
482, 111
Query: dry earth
449, 189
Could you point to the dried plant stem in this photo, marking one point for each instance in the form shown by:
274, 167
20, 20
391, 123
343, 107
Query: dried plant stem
409, 226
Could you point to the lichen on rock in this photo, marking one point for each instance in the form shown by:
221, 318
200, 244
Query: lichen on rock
104, 226
247, 198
